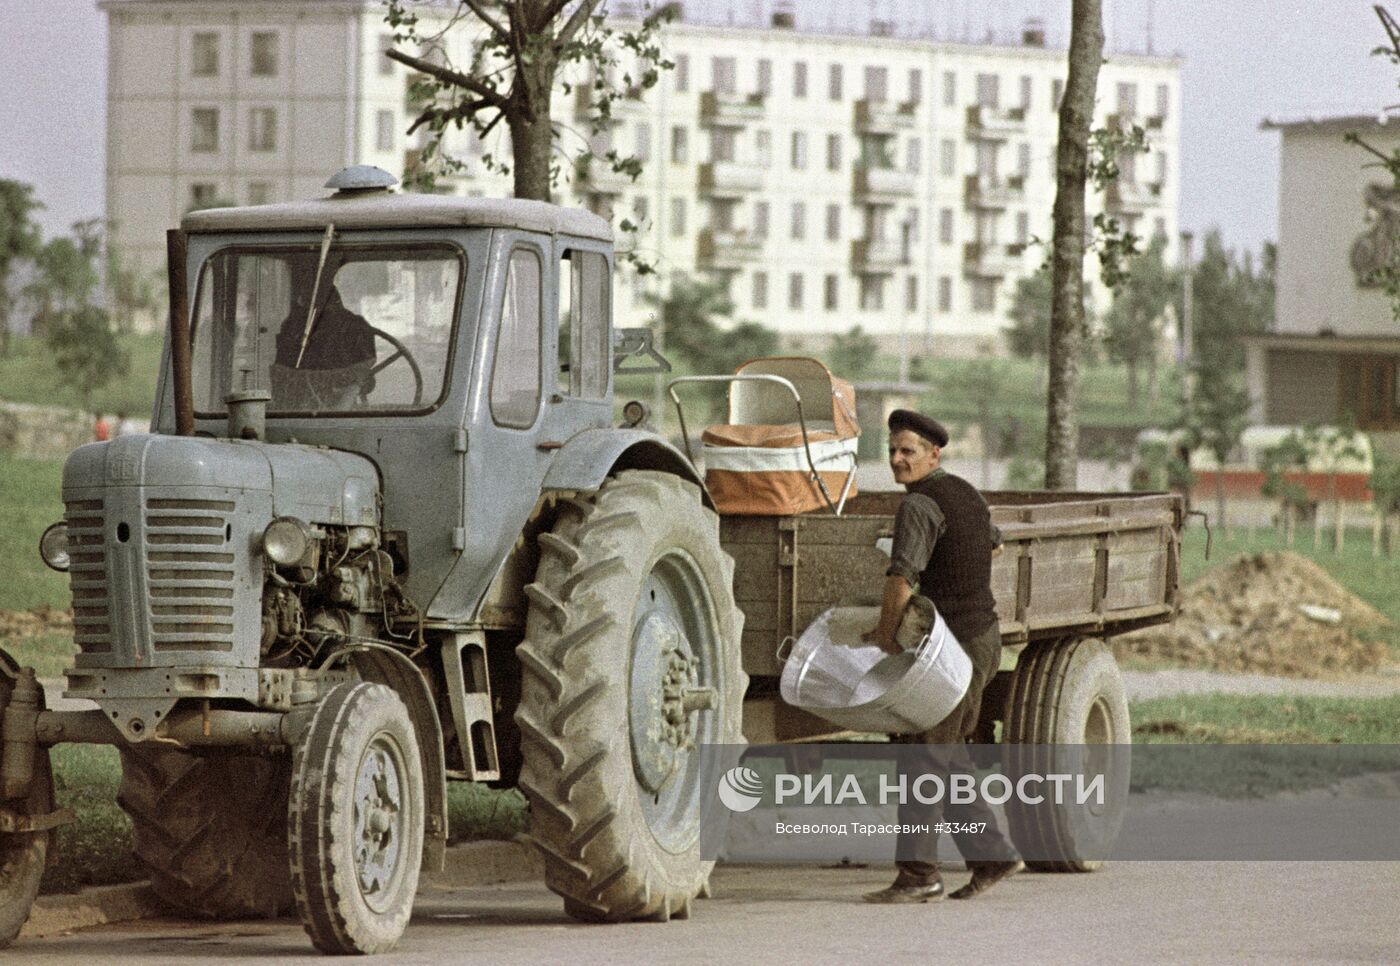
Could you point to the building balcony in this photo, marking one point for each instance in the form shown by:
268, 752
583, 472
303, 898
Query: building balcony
595, 176
993, 124
630, 106
984, 260
730, 110
875, 186
884, 117
727, 248
871, 257
984, 191
728, 179
1134, 196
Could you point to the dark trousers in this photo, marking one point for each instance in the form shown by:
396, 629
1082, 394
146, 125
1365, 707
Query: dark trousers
943, 750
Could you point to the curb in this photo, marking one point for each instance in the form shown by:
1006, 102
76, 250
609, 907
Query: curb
468, 864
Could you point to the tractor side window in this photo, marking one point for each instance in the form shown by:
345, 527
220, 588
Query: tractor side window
515, 376
584, 346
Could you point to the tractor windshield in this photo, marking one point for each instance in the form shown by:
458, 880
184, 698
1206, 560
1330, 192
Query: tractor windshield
366, 329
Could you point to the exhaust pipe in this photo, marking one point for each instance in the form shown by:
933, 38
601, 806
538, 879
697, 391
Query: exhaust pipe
175, 249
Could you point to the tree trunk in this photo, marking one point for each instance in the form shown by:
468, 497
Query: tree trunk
1154, 382
1220, 500
1067, 272
1132, 385
532, 143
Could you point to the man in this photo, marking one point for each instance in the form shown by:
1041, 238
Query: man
944, 542
330, 364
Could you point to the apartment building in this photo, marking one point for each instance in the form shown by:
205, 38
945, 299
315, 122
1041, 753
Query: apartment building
829, 180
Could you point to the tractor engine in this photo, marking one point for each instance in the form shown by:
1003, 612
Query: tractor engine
220, 570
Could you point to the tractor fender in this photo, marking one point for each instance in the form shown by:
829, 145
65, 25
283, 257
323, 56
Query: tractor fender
586, 459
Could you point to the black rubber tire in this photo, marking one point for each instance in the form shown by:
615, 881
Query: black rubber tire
350, 722
1068, 693
23, 854
209, 830
587, 817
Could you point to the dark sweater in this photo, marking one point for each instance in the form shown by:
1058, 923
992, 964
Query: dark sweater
958, 575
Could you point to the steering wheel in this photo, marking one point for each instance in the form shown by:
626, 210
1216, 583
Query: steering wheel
400, 352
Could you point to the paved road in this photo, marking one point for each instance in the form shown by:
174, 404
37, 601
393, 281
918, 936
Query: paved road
1129, 912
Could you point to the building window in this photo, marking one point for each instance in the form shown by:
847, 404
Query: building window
204, 129
988, 90
386, 44
384, 130
833, 222
722, 75
763, 147
833, 82
1023, 159
799, 221
262, 129
911, 229
950, 89
682, 73
1164, 100
760, 290
641, 211
945, 226
204, 55
1057, 93
259, 193
872, 293
911, 157
262, 61
1025, 101
948, 157
1161, 170
760, 219
680, 145
1159, 228
984, 295
677, 217
1127, 100
1023, 228
877, 82
1371, 392
831, 293
799, 150
641, 134
765, 77
945, 294
203, 195
795, 291
916, 86
911, 294
722, 142
722, 214
833, 152
799, 80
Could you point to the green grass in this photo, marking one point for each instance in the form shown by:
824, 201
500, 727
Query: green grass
48, 654
477, 812
96, 848
28, 375
29, 502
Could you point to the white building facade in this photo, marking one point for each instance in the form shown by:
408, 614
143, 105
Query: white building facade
830, 180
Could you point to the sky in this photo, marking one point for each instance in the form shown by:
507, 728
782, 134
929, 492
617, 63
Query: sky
1243, 61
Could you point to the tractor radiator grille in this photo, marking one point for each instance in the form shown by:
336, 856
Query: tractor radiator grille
87, 575
190, 566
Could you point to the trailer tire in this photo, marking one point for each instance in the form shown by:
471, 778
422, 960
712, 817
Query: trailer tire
1068, 693
210, 830
631, 606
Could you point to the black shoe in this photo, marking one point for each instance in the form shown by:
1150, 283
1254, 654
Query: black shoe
987, 874
900, 893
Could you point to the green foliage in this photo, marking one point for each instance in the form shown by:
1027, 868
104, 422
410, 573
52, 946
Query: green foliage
95, 849
1115, 245
1385, 484
30, 374
689, 316
1028, 336
1133, 322
852, 354
1158, 466
1290, 453
19, 240
87, 351
1232, 298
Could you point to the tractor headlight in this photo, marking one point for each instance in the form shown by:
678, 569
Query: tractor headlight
286, 541
53, 546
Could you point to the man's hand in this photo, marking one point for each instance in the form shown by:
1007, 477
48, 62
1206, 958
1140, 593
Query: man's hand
896, 598
872, 636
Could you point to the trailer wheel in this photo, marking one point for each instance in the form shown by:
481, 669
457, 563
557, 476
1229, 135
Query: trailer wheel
355, 821
209, 830
630, 661
23, 854
1068, 693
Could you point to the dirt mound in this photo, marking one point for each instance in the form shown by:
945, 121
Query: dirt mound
35, 623
1274, 613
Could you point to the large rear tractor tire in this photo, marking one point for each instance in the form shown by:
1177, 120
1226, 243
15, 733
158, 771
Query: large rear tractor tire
23, 854
630, 662
210, 830
1067, 699
355, 823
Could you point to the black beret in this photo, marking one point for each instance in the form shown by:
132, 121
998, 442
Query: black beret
930, 429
